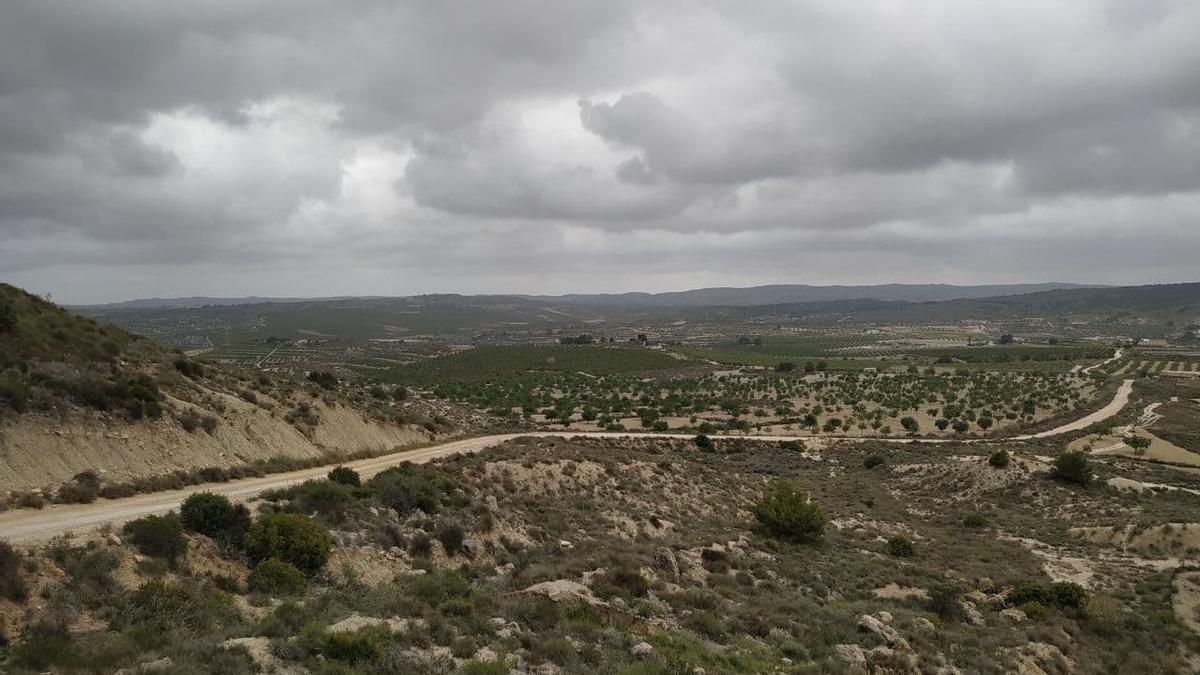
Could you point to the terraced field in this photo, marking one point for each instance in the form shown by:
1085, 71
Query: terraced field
1154, 365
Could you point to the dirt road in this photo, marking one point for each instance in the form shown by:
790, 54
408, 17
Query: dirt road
1116, 355
1114, 406
30, 526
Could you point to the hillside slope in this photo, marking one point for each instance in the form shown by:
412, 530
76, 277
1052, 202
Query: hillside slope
94, 406
1160, 301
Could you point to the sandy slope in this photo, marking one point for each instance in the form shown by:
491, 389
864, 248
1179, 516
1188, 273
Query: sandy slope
38, 452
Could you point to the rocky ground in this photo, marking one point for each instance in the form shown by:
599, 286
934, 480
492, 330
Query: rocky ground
645, 556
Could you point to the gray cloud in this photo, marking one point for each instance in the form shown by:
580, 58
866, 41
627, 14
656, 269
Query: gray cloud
228, 147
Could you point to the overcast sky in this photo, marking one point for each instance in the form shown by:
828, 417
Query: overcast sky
301, 148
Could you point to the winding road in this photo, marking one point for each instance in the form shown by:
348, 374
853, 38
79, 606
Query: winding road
1116, 355
27, 526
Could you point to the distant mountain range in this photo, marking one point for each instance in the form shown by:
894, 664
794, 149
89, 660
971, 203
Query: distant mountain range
195, 301
1149, 311
776, 294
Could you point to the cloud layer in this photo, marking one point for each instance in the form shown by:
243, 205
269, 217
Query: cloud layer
294, 147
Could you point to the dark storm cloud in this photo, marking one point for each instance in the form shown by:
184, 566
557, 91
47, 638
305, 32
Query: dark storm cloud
281, 146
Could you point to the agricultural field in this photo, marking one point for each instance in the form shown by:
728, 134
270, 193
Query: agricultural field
1155, 364
855, 351
747, 358
356, 360
500, 364
602, 388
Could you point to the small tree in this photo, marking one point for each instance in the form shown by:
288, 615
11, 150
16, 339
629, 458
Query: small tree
292, 538
1138, 443
346, 476
999, 459
703, 442
158, 536
1072, 467
910, 424
786, 513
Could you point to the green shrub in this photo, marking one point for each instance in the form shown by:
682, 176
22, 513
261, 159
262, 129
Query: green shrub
901, 547
945, 600
553, 648
89, 572
1105, 615
872, 461
189, 368
215, 516
437, 589
158, 536
83, 488
975, 520
999, 459
276, 577
8, 317
324, 379
292, 538
1072, 467
703, 442
493, 667
14, 394
451, 535
12, 586
421, 545
706, 624
189, 420
1062, 594
1034, 610
322, 496
344, 475
38, 653
463, 648
406, 492
162, 608
785, 513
